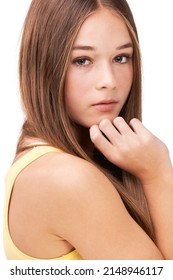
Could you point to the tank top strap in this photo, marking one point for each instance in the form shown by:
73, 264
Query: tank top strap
28, 158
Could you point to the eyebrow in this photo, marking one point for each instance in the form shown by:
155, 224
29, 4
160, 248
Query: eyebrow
90, 48
85, 48
125, 46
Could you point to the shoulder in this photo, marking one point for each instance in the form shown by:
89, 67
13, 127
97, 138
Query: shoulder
62, 169
65, 183
75, 176
66, 189
69, 197
62, 173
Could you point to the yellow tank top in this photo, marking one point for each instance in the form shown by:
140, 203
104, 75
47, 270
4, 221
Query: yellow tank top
11, 251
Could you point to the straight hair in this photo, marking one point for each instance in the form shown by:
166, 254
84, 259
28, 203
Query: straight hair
49, 32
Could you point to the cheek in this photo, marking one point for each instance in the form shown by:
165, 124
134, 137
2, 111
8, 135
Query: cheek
76, 85
126, 80
75, 89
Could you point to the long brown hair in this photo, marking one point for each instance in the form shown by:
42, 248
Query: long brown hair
50, 29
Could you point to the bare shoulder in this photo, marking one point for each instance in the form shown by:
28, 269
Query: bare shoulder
77, 182
52, 188
71, 198
64, 181
61, 169
57, 184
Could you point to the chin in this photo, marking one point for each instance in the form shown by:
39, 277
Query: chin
88, 121
111, 118
97, 121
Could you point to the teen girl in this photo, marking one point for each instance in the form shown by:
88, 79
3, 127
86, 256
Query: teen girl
89, 181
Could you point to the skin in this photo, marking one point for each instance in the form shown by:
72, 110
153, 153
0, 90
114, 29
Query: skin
100, 72
83, 210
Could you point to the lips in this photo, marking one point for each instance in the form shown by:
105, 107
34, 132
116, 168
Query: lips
105, 105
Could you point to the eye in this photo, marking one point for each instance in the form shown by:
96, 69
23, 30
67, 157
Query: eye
122, 59
81, 61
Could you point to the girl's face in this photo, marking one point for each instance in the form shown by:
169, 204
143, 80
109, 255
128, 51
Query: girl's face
100, 72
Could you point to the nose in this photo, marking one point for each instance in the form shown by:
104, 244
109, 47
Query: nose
106, 78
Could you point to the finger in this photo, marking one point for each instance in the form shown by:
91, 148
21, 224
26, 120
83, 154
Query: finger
109, 131
138, 127
122, 126
101, 143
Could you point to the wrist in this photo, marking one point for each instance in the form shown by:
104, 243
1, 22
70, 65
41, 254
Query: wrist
162, 171
158, 182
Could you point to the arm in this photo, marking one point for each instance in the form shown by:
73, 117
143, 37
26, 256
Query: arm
159, 194
136, 150
61, 202
88, 212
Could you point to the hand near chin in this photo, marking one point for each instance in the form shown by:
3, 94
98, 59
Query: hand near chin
131, 147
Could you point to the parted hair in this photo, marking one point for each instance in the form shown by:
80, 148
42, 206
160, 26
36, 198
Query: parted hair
49, 32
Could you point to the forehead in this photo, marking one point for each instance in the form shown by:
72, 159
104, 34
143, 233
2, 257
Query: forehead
103, 25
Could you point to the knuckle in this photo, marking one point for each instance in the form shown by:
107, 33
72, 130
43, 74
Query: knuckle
118, 120
104, 123
94, 134
147, 138
111, 156
95, 137
125, 150
134, 121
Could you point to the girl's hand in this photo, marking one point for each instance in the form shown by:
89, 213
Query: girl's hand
131, 147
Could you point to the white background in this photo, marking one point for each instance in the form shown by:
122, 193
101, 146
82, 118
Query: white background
154, 21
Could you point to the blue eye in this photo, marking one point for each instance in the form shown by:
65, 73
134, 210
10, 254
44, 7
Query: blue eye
81, 61
121, 59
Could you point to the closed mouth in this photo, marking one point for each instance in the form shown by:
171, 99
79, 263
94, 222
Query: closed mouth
105, 105
105, 102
